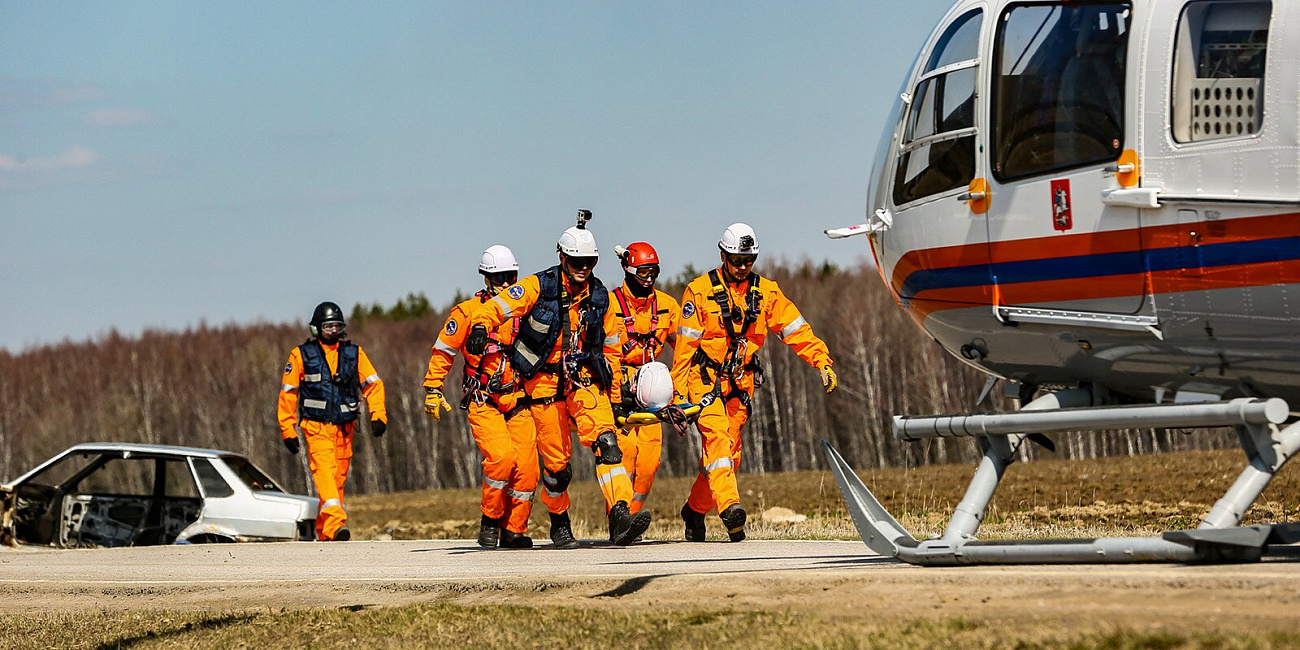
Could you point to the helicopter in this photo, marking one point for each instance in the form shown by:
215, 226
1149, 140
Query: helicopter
1097, 203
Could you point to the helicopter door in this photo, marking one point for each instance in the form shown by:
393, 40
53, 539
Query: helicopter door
929, 246
1057, 252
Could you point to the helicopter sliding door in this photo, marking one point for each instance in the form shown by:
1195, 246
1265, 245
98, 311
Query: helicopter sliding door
1057, 250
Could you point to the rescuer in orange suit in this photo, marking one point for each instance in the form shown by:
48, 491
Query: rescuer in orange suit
650, 322
567, 351
498, 414
321, 392
726, 315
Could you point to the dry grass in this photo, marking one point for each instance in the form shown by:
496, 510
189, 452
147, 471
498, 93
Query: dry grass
1137, 495
446, 625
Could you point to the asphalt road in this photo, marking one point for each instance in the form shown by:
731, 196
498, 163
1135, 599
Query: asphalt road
432, 560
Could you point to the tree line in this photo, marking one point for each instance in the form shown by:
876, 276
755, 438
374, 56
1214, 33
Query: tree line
216, 387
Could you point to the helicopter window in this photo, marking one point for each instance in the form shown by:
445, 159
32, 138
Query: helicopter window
1218, 89
938, 151
1058, 91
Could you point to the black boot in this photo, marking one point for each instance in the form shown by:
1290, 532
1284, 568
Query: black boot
342, 535
489, 532
733, 518
625, 527
694, 524
515, 540
562, 531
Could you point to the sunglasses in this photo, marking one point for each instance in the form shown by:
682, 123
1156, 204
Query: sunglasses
581, 263
647, 271
503, 277
740, 260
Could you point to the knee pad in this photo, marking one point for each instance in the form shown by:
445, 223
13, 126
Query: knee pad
559, 481
606, 449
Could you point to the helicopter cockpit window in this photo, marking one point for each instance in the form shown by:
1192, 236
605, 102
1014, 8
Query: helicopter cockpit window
1058, 87
938, 146
1218, 89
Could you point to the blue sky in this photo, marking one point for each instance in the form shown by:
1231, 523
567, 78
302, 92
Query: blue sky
167, 163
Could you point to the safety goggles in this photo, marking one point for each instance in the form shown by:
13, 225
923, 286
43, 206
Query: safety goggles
330, 329
646, 271
502, 278
581, 263
738, 260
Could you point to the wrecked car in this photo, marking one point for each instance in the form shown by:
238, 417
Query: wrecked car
119, 494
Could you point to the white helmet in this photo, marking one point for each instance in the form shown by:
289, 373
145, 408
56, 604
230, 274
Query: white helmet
654, 386
739, 238
497, 258
577, 242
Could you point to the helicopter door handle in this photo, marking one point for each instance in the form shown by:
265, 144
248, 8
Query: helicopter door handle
1120, 168
972, 196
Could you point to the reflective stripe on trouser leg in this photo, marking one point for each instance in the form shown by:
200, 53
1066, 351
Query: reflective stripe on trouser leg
329, 451
493, 440
554, 440
649, 446
719, 426
523, 481
614, 484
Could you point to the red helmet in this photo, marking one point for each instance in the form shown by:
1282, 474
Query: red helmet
639, 254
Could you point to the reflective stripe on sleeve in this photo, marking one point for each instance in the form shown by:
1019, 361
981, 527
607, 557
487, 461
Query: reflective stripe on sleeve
612, 340
289, 388
609, 476
503, 305
331, 503
314, 403
443, 347
688, 333
719, 464
370, 380
551, 493
500, 485
793, 327
521, 496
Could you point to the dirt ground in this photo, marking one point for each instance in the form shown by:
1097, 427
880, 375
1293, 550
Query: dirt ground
835, 580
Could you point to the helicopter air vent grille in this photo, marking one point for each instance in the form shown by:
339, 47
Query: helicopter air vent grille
1224, 108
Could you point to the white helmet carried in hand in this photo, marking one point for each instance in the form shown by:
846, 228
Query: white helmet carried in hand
497, 259
739, 239
577, 242
654, 386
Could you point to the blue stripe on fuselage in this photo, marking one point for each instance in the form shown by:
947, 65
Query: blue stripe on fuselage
1104, 264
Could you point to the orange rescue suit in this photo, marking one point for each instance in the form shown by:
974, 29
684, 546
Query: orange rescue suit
500, 420
558, 409
703, 344
650, 323
329, 446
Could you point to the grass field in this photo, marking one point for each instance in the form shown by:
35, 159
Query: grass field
1116, 496
501, 627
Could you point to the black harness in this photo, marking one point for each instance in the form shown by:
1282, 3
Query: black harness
738, 323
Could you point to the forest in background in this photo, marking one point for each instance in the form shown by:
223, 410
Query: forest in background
216, 387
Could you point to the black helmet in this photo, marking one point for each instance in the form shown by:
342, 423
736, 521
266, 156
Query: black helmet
326, 312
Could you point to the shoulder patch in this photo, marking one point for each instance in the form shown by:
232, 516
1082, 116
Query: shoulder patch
515, 292
688, 310
451, 327
288, 368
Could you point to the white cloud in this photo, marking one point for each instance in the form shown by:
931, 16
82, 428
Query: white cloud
72, 158
115, 117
